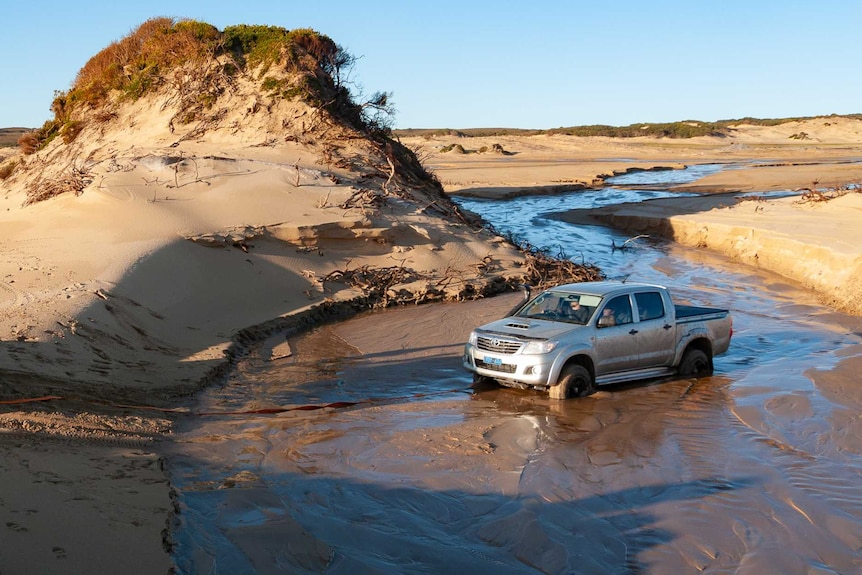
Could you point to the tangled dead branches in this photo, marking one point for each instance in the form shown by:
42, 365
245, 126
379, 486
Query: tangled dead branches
364, 199
543, 271
376, 284
75, 181
812, 194
204, 124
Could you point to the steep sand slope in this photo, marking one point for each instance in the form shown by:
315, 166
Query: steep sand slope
174, 242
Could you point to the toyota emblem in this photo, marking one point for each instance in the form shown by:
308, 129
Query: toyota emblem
496, 342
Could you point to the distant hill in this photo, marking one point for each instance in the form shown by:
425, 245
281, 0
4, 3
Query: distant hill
9, 136
683, 129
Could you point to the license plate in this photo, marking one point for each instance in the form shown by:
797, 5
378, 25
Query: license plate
493, 360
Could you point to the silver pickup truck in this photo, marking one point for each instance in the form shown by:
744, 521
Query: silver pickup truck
571, 338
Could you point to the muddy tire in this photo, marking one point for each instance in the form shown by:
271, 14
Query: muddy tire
575, 381
695, 363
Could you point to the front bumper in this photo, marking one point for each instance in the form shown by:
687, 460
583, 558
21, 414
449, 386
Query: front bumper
532, 370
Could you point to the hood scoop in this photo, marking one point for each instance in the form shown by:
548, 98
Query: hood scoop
518, 325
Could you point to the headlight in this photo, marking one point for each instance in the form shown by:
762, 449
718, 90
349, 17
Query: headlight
538, 347
472, 339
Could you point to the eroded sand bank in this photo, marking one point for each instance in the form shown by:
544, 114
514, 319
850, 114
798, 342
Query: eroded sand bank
815, 243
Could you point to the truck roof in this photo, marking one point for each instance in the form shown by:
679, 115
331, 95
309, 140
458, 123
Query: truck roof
603, 287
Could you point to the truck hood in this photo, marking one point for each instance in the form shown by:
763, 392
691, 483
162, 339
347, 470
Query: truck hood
529, 328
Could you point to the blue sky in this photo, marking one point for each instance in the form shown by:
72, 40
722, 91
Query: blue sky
537, 64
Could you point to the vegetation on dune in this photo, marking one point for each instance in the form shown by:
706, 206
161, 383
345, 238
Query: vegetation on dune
7, 168
459, 149
198, 61
689, 129
673, 130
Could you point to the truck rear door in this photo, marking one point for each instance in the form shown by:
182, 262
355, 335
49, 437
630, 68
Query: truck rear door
656, 330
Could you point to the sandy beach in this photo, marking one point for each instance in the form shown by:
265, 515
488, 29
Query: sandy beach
179, 249
811, 239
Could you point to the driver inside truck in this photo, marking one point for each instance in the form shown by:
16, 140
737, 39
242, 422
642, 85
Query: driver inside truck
577, 313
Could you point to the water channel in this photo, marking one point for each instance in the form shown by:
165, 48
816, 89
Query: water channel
757, 469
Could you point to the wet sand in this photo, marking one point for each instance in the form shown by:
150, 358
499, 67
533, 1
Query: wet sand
82, 501
754, 470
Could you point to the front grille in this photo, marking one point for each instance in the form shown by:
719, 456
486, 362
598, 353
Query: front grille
505, 367
497, 345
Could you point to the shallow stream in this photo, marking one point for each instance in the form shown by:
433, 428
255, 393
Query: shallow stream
757, 469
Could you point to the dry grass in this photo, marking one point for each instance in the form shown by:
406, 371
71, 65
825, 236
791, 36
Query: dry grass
7, 168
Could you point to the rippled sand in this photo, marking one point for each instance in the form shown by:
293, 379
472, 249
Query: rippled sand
754, 470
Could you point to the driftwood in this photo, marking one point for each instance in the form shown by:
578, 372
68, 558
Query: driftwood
812, 194
365, 199
376, 284
626, 244
543, 271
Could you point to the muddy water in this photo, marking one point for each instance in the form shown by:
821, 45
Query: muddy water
755, 470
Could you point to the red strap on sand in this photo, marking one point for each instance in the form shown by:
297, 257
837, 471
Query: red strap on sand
267, 410
29, 399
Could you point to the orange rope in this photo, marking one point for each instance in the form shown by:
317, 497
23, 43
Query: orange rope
263, 411
29, 399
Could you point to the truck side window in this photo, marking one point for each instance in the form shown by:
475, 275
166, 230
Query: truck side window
618, 311
650, 305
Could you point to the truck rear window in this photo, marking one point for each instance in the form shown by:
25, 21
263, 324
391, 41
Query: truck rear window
650, 305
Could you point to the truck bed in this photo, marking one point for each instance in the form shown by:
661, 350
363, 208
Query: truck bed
691, 312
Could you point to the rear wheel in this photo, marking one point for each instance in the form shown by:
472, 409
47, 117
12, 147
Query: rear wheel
695, 363
575, 381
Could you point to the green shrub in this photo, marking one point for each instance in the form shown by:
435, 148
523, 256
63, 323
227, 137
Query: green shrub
255, 45
271, 84
456, 148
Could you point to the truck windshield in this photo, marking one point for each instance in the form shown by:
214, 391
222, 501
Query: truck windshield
561, 306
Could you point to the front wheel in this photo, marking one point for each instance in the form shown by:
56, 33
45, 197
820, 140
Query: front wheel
575, 381
695, 363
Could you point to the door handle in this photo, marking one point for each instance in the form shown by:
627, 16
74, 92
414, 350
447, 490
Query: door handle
633, 331
667, 326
